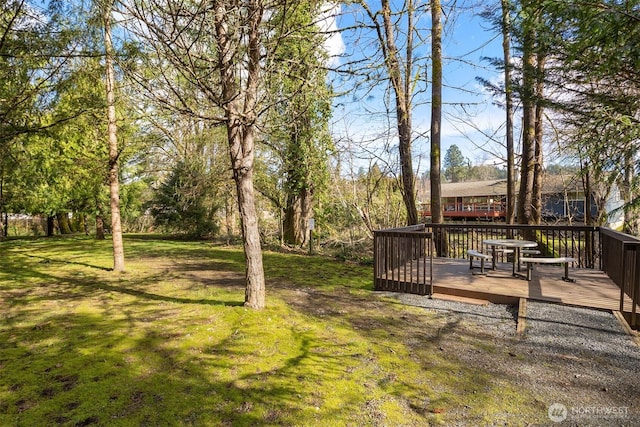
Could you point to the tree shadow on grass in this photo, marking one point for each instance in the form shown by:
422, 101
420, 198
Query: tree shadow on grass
100, 369
83, 264
66, 285
90, 284
157, 297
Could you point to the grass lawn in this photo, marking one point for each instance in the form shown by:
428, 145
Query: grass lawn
168, 343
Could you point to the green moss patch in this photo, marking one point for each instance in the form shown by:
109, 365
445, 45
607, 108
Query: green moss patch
170, 343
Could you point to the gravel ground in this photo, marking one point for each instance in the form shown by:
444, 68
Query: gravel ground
580, 362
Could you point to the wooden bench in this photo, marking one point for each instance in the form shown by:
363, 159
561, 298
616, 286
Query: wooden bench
530, 261
472, 253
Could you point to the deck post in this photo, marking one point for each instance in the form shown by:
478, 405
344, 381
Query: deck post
622, 285
635, 286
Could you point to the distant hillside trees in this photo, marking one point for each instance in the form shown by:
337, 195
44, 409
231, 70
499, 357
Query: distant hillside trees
458, 168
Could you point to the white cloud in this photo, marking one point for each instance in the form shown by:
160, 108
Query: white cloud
333, 43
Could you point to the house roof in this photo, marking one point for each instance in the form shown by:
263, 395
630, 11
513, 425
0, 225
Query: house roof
553, 184
474, 188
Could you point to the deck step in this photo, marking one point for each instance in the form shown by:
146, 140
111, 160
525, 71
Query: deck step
522, 317
456, 298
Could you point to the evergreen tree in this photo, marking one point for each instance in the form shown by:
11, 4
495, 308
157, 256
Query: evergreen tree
297, 125
456, 166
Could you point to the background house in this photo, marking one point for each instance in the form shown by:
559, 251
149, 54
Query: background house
563, 199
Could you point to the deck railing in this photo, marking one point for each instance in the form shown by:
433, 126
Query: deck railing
403, 260
579, 242
621, 262
403, 257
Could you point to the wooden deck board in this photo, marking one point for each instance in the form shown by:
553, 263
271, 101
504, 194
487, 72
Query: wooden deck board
592, 288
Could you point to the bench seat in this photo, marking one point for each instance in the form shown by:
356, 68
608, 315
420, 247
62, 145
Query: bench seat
530, 261
502, 250
472, 253
527, 252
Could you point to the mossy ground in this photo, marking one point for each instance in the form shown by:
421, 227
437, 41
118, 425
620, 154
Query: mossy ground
169, 343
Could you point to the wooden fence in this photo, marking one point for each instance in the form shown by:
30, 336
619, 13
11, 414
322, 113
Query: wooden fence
403, 260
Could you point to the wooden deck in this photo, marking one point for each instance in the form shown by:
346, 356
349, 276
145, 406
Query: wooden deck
592, 288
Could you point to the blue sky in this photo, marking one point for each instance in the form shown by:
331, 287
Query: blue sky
467, 40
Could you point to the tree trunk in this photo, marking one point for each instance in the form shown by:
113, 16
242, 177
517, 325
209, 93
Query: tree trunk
85, 225
528, 160
403, 109
100, 227
63, 222
230, 218
408, 178
296, 217
538, 173
588, 218
51, 225
114, 184
630, 214
437, 215
243, 176
99, 221
508, 89
3, 226
240, 120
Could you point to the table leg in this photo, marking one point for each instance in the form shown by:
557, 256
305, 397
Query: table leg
493, 257
566, 274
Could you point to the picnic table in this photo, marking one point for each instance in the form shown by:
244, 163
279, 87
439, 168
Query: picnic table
516, 244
